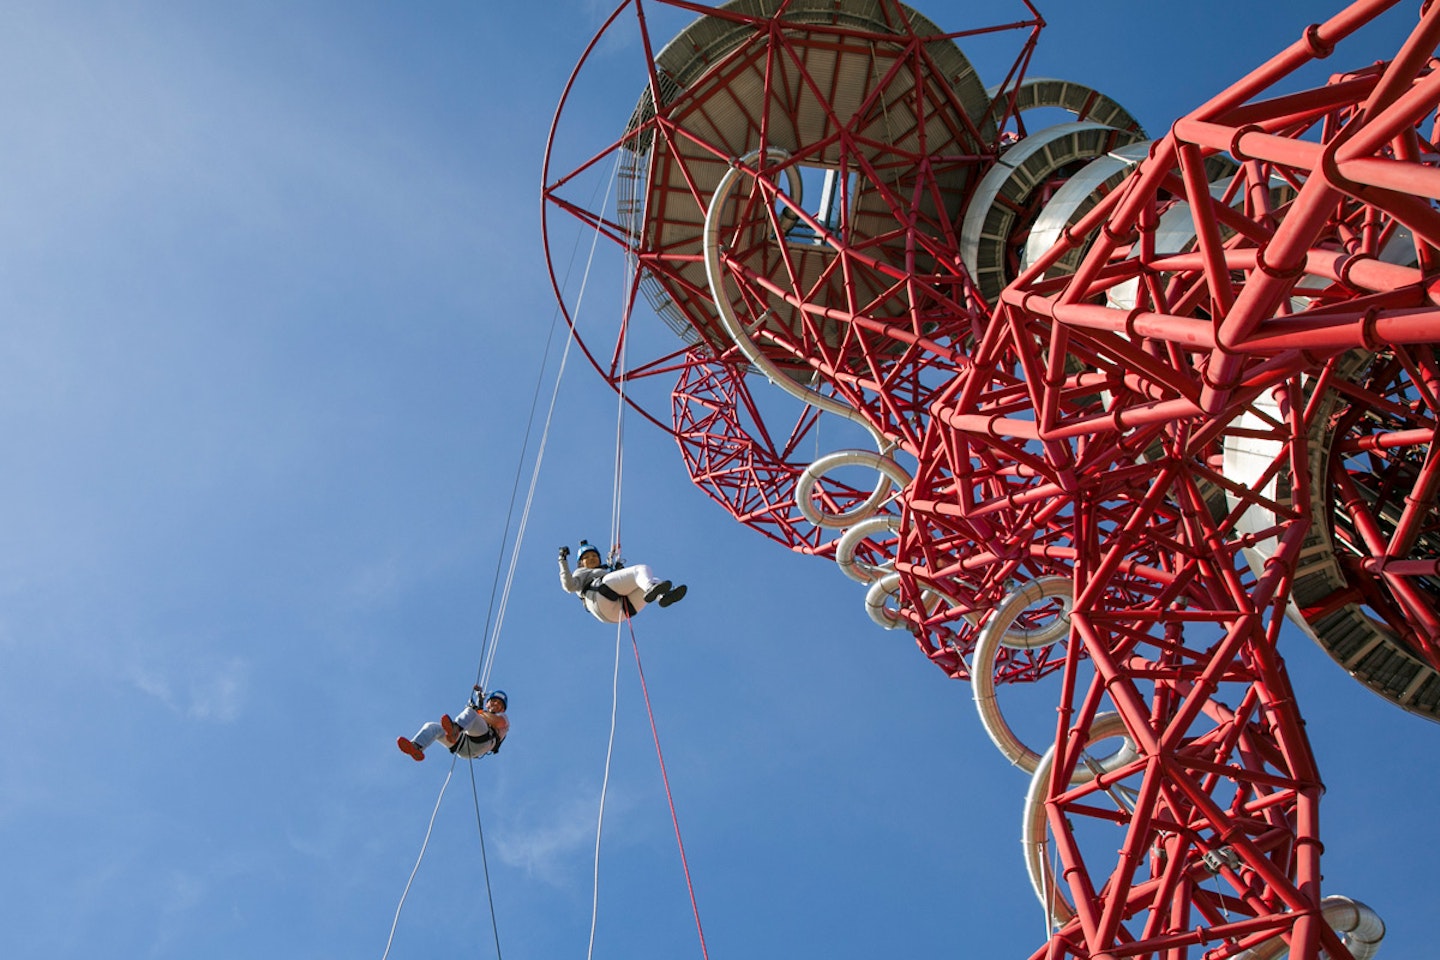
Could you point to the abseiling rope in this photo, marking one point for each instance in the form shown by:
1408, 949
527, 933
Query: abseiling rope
492, 641
618, 484
514, 489
487, 658
485, 861
619, 470
615, 512
664, 778
416, 869
604, 788
669, 798
615, 678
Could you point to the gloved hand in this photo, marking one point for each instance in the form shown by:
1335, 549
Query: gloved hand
477, 698
565, 553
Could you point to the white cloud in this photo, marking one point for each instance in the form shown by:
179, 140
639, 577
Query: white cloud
214, 692
153, 685
184, 891
551, 851
220, 695
376, 584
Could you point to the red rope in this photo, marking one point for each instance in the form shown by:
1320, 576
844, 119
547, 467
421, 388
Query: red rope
669, 798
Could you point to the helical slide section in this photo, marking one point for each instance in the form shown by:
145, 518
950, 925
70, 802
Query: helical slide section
863, 522
884, 583
999, 632
1359, 926
877, 605
890, 473
846, 546
1033, 827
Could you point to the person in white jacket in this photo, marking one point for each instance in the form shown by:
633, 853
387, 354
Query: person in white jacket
477, 730
613, 594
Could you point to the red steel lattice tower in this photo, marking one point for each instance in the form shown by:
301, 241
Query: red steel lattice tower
1126, 405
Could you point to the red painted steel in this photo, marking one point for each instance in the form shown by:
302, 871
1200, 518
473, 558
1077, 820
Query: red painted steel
1170, 427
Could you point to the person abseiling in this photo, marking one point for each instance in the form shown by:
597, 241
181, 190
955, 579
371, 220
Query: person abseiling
477, 730
612, 593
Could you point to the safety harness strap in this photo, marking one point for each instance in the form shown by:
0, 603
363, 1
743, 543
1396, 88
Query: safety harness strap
610, 594
468, 742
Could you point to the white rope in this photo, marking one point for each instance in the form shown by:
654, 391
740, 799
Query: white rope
604, 788
619, 458
630, 267
416, 869
525, 515
614, 547
489, 658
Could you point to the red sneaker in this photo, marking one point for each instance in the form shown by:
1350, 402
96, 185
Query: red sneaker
452, 732
408, 746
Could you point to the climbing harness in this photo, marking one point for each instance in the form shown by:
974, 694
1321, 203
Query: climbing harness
469, 746
610, 594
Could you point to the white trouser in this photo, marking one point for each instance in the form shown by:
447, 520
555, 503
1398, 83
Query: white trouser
632, 583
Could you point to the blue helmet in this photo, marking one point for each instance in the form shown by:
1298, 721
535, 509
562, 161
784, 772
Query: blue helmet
498, 695
586, 547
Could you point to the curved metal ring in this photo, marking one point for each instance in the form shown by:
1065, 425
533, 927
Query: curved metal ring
997, 633
1034, 825
888, 586
1029, 638
850, 540
890, 473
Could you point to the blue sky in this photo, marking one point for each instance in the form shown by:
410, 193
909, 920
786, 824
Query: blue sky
274, 307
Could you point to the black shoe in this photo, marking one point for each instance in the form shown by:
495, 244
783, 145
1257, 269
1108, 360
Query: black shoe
673, 596
660, 589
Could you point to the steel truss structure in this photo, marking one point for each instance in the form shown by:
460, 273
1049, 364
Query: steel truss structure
1130, 403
